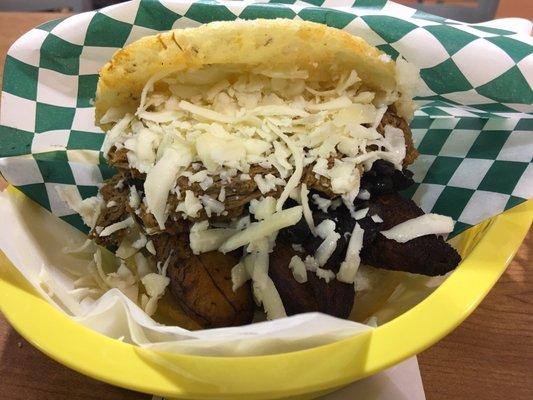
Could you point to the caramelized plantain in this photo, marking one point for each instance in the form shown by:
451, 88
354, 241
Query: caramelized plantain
334, 297
428, 255
202, 284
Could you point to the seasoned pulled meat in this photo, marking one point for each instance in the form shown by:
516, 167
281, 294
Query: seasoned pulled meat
238, 192
118, 158
113, 193
116, 191
428, 255
390, 118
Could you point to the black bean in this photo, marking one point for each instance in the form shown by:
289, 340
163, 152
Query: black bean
295, 234
383, 178
402, 179
382, 167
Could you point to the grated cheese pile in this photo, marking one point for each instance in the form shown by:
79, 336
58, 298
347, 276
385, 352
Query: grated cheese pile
215, 122
427, 224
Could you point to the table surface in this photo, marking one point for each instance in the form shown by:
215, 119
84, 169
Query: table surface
488, 357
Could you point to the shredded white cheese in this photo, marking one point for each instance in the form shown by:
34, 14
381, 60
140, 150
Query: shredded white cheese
155, 286
395, 144
268, 183
283, 121
191, 205
267, 227
322, 203
335, 104
325, 274
312, 265
134, 198
216, 152
150, 247
117, 226
222, 194
113, 135
427, 224
202, 241
376, 218
349, 266
239, 276
211, 206
205, 112
89, 209
308, 215
262, 209
326, 248
200, 226
297, 266
360, 214
210, 125
408, 78
149, 87
348, 201
297, 155
325, 228
266, 293
161, 179
264, 289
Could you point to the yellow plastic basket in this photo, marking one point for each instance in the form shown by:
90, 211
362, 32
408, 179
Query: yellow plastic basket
486, 249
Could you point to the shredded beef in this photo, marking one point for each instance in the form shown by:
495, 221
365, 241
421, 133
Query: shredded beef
111, 192
238, 192
390, 118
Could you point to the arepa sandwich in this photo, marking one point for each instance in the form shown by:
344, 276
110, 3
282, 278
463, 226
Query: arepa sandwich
259, 163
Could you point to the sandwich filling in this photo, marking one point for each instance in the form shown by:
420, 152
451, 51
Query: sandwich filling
258, 178
207, 142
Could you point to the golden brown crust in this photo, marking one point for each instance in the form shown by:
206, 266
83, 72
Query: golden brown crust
278, 44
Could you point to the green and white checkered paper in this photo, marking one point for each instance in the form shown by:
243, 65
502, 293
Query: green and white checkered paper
474, 128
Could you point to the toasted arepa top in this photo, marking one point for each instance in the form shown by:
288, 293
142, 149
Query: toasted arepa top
277, 45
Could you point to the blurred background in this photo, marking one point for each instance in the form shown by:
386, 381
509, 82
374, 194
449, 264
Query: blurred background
463, 10
473, 10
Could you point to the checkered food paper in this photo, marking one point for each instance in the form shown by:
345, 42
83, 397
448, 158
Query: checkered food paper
473, 128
